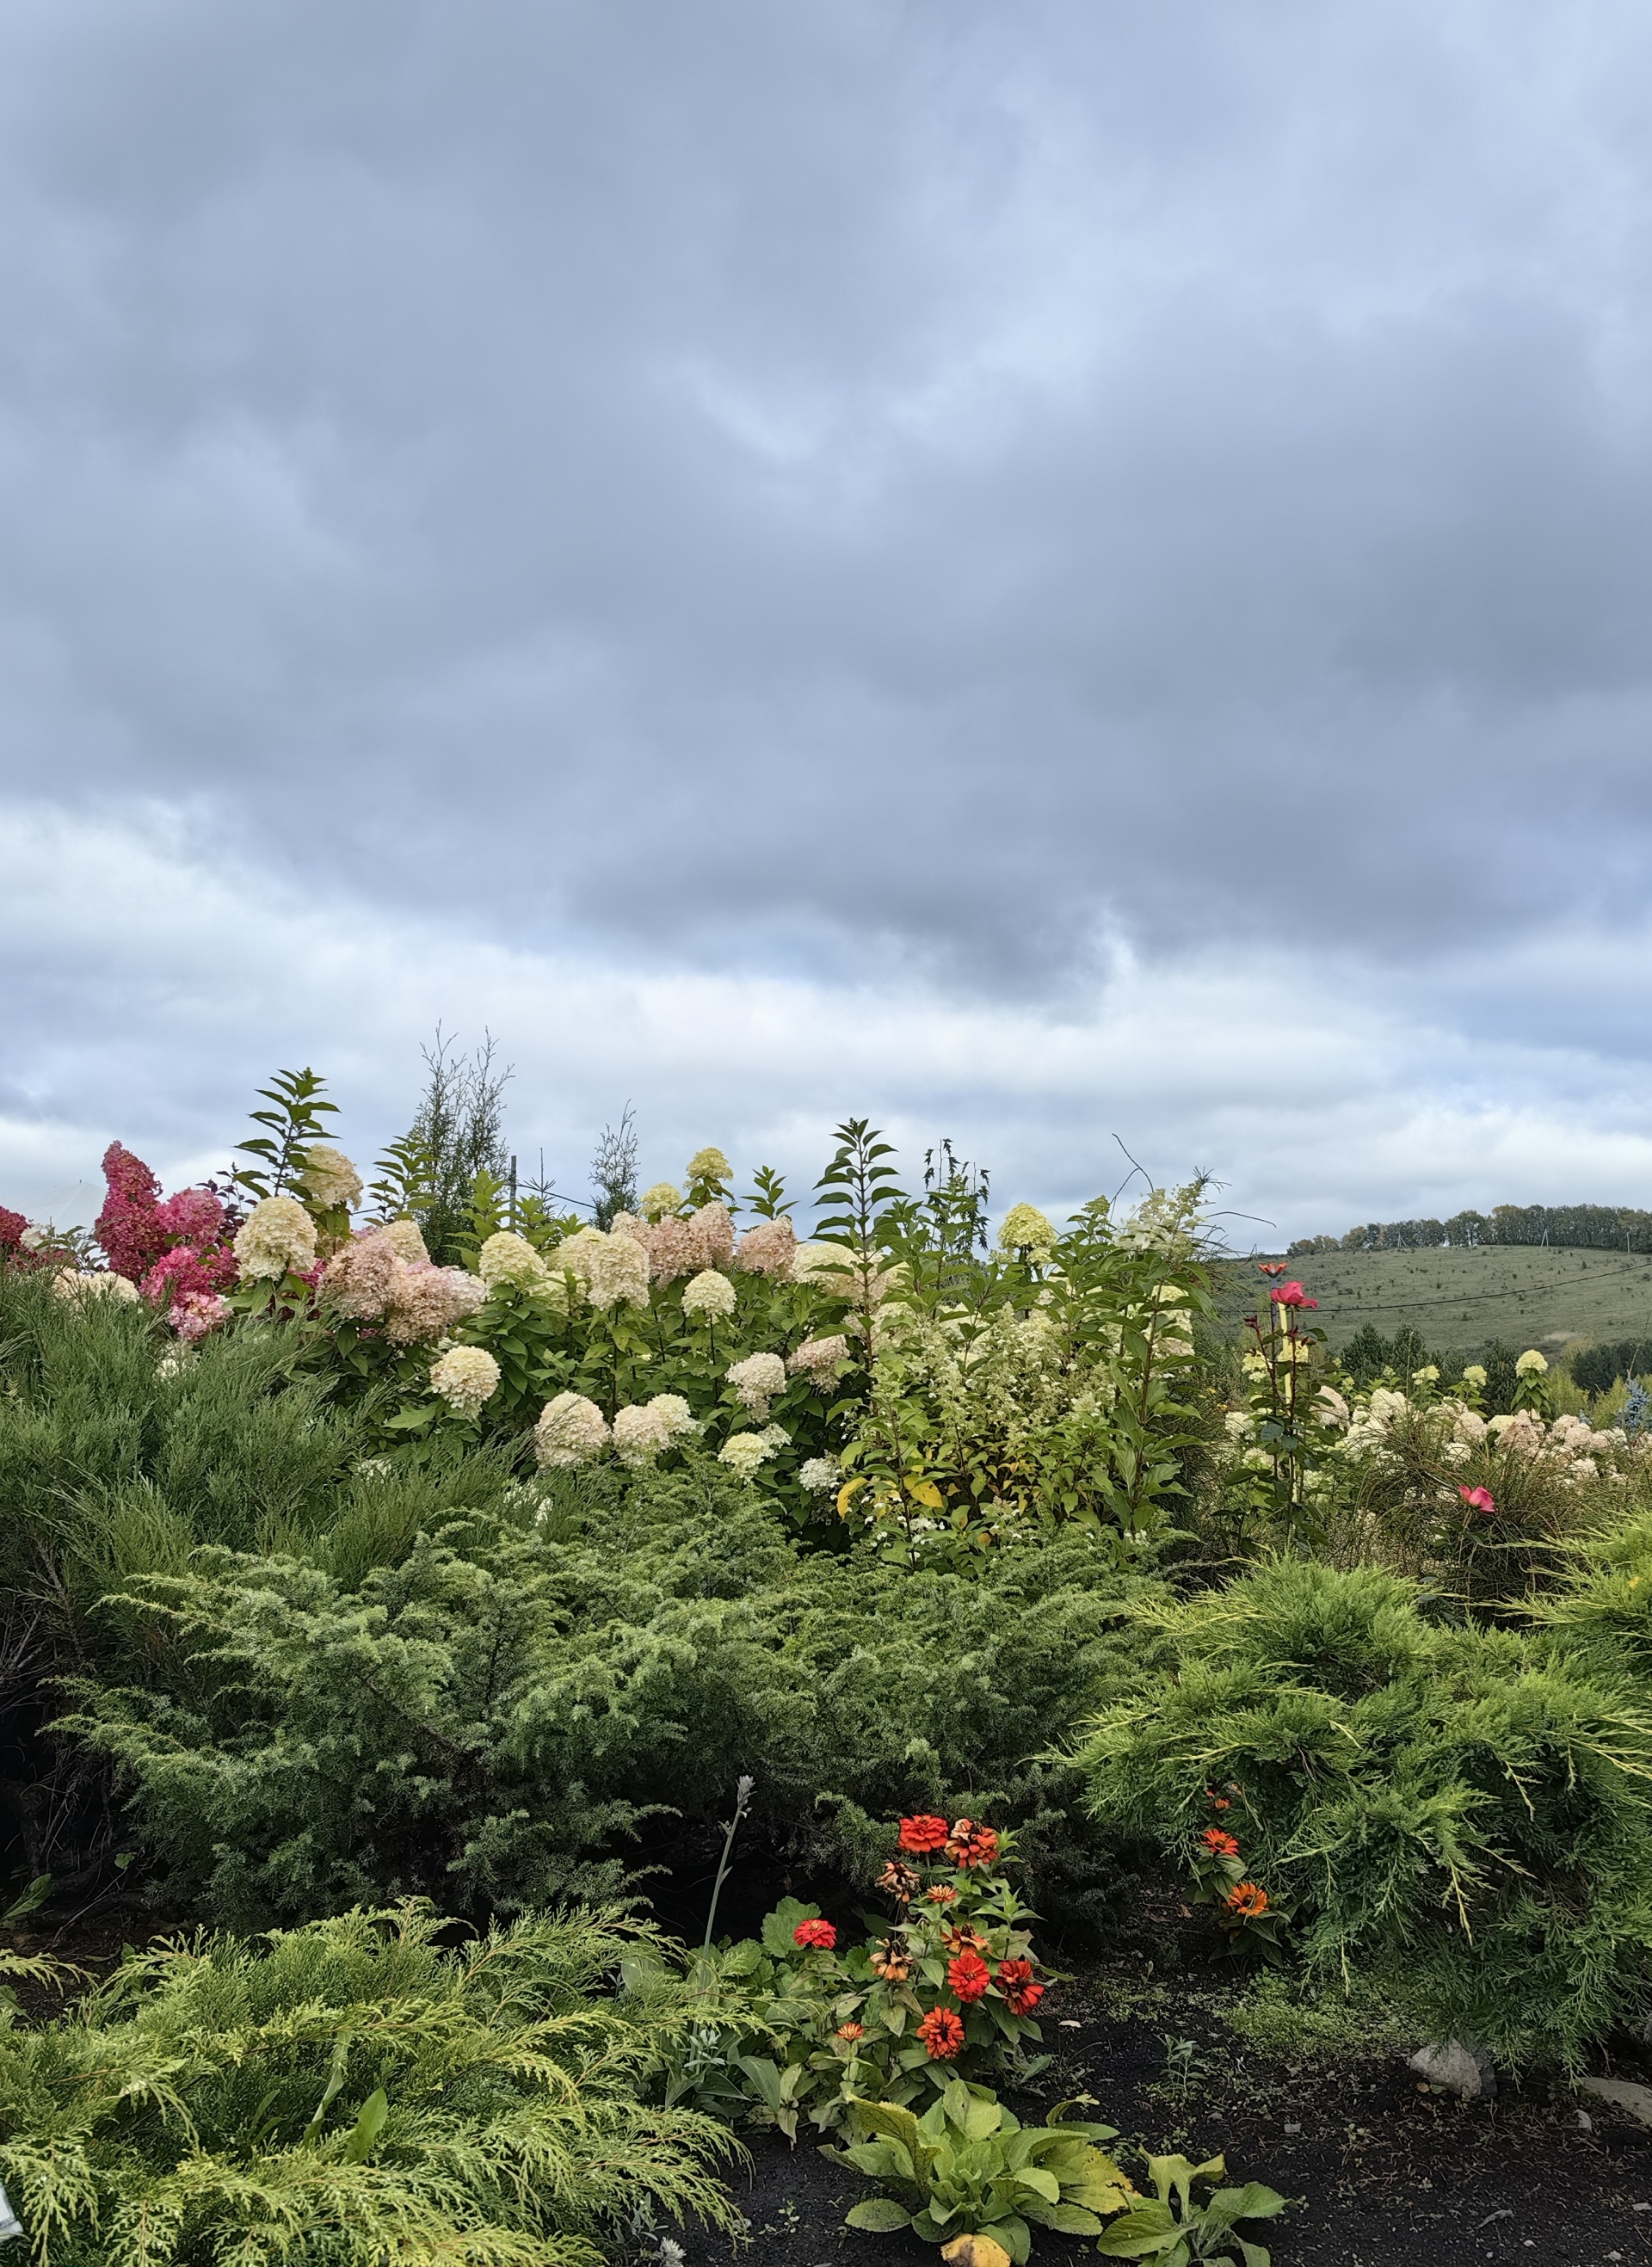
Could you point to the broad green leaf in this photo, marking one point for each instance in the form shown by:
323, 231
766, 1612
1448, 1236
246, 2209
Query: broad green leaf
879, 2216
368, 2126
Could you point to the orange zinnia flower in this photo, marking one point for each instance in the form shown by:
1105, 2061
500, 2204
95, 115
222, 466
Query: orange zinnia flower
851, 2031
969, 1845
1012, 1974
1218, 1844
969, 1976
942, 1894
1247, 1899
922, 1833
1023, 2001
942, 2033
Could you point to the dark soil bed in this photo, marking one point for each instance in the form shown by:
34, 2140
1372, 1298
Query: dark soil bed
1388, 2176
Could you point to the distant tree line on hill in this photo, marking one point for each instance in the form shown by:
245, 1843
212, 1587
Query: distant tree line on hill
1580, 1228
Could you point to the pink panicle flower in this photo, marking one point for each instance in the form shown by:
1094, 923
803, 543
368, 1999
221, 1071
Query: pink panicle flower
129, 1227
195, 1313
12, 1225
1291, 1295
192, 1216
1480, 1500
359, 1280
182, 1274
768, 1248
689, 1247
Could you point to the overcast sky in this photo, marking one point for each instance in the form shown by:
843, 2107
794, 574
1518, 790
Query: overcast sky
1038, 573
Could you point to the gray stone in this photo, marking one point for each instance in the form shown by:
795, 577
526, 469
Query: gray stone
1461, 2070
1622, 2093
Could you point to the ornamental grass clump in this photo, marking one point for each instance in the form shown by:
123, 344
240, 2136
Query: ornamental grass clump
352, 2092
1466, 1812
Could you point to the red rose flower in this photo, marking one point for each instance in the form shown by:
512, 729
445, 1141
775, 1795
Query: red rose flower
1023, 2001
942, 2033
969, 1976
922, 1833
1480, 1500
1291, 1295
969, 1845
815, 1935
1218, 1844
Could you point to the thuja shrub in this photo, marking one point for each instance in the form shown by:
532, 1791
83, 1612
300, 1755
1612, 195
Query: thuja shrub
490, 1719
1468, 1810
351, 2092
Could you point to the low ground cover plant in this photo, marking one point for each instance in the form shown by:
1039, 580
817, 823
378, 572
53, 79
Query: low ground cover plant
1468, 1809
352, 2092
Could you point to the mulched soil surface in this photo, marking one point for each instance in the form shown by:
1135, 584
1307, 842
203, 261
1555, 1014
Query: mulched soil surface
1387, 2176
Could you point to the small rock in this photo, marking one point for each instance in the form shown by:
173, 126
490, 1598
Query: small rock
1292, 2125
1622, 2094
1585, 2123
1458, 2068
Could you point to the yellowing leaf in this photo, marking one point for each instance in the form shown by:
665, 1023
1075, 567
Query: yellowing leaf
974, 2252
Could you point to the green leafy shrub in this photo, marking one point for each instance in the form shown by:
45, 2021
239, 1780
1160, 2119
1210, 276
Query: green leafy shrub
1174, 2235
488, 1718
968, 2167
349, 2092
1468, 1807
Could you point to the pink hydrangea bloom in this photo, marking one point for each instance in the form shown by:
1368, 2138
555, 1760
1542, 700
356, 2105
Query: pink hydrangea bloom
181, 1273
426, 1302
11, 1226
129, 1228
192, 1216
197, 1312
359, 1280
768, 1248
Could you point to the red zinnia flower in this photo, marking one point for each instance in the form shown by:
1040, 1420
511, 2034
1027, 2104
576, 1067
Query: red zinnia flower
1248, 1900
922, 1833
1023, 2001
969, 1845
1480, 1500
942, 2033
969, 1976
1013, 1974
815, 1935
1218, 1844
1291, 1295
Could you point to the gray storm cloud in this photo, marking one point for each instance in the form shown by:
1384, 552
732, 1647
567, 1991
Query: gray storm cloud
843, 489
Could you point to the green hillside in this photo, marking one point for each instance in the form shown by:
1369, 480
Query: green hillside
1461, 1300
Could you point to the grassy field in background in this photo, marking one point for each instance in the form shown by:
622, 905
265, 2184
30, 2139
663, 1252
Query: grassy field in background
1460, 1300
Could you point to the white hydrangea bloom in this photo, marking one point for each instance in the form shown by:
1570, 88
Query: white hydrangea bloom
819, 1475
757, 1380
508, 1258
571, 1431
404, 1239
663, 1199
743, 1452
1530, 1364
330, 1180
464, 1376
819, 1360
709, 1292
573, 1253
276, 1238
710, 1165
618, 1272
94, 1283
646, 1429
1025, 1228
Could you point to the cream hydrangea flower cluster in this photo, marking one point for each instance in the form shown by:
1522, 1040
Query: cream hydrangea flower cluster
819, 1360
510, 1259
685, 1247
464, 1376
662, 1197
330, 1180
819, 1475
709, 1293
367, 1280
757, 1380
86, 1283
571, 1430
744, 1452
647, 1429
276, 1238
710, 1165
611, 1270
1025, 1228
405, 1240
